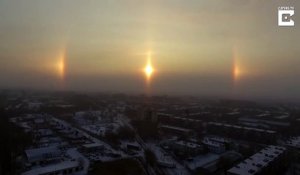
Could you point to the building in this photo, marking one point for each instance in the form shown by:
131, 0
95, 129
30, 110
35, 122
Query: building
203, 163
214, 146
43, 133
39, 155
148, 114
188, 147
175, 130
91, 147
169, 119
65, 167
184, 148
294, 169
293, 142
263, 122
241, 132
259, 163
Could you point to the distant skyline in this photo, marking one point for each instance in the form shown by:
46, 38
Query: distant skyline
231, 48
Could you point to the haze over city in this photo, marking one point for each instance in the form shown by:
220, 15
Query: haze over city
230, 48
149, 87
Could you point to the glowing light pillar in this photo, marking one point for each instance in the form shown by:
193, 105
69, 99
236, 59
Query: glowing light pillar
148, 70
61, 68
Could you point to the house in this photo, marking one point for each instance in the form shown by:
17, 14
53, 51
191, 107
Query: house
260, 162
39, 155
65, 167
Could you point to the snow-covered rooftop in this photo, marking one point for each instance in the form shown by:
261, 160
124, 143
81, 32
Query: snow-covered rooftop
41, 153
202, 160
52, 168
293, 142
241, 127
258, 161
175, 128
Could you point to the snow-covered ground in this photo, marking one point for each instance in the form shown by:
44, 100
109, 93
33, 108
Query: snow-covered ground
163, 158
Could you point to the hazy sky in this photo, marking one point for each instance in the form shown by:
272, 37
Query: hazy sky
201, 47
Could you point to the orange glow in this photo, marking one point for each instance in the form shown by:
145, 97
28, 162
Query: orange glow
61, 65
148, 69
236, 67
236, 72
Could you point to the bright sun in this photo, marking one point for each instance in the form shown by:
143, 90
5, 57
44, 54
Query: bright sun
148, 69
